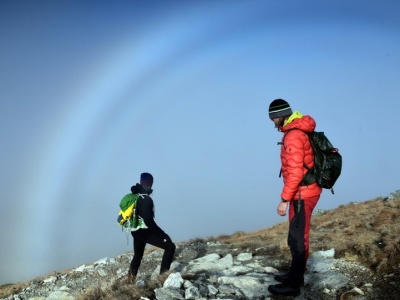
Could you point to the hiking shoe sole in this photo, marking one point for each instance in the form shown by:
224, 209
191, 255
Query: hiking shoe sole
284, 290
284, 278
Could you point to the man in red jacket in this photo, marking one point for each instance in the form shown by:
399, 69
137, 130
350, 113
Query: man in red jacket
297, 157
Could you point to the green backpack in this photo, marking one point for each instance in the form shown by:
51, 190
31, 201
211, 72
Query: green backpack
127, 216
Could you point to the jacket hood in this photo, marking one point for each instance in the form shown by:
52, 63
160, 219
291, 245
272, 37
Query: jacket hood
298, 121
138, 189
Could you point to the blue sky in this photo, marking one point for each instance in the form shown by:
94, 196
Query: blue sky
95, 92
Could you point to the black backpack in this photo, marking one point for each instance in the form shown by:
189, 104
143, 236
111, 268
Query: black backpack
327, 162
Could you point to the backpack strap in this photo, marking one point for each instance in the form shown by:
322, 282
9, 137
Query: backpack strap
309, 177
141, 196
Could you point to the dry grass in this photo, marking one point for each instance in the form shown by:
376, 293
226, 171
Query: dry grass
11, 289
368, 232
7, 290
125, 289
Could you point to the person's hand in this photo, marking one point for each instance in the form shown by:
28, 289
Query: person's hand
282, 207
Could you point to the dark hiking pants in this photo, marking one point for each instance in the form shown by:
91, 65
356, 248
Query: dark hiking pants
300, 212
140, 239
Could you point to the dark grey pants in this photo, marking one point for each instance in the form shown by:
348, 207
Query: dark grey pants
143, 237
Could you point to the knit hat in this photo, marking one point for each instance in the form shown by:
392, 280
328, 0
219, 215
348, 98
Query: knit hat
279, 108
146, 180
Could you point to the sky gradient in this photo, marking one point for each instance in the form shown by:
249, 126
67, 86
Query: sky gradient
95, 92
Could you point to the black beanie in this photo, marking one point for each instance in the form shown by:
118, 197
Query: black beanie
279, 108
146, 180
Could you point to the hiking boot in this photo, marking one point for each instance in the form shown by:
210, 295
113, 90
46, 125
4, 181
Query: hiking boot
284, 289
284, 278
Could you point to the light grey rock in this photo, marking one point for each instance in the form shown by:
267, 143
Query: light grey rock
319, 212
249, 286
192, 293
244, 257
208, 276
323, 254
102, 272
212, 290
236, 270
174, 280
330, 279
59, 295
50, 279
226, 290
210, 263
187, 284
270, 270
320, 265
140, 283
168, 294
392, 196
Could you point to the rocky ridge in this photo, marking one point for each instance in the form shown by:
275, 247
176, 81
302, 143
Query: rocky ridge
215, 270
208, 270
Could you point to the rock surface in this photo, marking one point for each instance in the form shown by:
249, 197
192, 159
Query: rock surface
209, 270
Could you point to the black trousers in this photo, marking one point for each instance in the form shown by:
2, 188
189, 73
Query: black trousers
143, 237
297, 242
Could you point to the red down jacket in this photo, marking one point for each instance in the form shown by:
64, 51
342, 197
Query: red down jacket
296, 151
